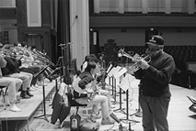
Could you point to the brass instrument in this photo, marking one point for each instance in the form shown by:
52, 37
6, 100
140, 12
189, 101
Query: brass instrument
136, 58
42, 57
26, 55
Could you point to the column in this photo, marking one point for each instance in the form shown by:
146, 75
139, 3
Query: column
79, 29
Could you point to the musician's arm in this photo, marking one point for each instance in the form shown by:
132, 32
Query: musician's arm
138, 74
84, 81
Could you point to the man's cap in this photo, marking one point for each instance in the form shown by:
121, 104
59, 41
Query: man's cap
156, 40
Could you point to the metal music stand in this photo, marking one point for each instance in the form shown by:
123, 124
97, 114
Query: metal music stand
127, 109
120, 104
43, 116
139, 111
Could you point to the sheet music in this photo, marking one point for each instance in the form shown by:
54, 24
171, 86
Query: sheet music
110, 74
115, 73
126, 82
121, 71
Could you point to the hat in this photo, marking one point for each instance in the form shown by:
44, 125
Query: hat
156, 40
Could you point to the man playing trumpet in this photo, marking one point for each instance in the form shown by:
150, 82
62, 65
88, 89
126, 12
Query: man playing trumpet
154, 93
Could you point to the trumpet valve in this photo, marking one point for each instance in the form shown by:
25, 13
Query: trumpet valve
119, 55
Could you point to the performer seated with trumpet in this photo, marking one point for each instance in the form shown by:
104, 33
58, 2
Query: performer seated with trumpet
28, 63
13, 85
85, 91
12, 70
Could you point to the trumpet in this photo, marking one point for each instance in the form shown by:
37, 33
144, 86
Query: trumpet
136, 58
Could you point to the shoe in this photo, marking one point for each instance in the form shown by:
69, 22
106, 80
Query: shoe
24, 95
14, 108
28, 92
107, 121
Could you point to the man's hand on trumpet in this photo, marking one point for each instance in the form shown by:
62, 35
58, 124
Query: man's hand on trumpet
143, 64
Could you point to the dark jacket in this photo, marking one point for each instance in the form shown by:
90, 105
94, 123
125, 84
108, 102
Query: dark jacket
60, 110
11, 67
155, 80
86, 77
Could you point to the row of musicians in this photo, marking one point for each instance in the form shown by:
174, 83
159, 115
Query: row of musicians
16, 79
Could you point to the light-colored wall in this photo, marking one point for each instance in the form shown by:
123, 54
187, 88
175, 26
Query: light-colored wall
136, 36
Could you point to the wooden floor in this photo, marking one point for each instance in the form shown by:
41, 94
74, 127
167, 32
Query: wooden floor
179, 116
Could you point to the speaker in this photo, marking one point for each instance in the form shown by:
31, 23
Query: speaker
94, 41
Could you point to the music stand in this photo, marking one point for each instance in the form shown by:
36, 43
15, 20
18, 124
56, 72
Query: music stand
127, 109
121, 72
43, 116
120, 104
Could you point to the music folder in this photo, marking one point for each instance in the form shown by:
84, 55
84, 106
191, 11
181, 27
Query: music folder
41, 71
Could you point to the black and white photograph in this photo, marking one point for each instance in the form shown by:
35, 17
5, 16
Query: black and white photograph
97, 65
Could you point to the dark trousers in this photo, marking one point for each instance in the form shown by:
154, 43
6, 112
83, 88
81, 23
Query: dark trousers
154, 113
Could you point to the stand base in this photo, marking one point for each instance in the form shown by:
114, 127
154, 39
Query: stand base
138, 113
128, 120
42, 117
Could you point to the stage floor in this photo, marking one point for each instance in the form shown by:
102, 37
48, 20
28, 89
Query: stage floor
179, 116
28, 106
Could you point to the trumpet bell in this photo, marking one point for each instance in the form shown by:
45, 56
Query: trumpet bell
135, 58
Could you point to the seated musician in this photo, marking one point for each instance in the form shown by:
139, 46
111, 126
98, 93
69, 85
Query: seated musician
13, 85
88, 58
86, 81
100, 77
28, 63
12, 70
